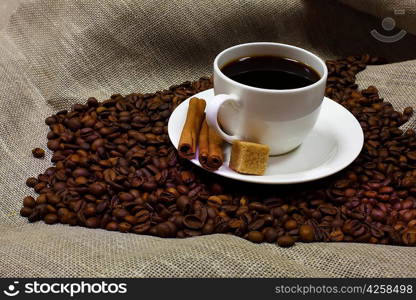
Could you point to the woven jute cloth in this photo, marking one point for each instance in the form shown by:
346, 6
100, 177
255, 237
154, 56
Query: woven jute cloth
56, 53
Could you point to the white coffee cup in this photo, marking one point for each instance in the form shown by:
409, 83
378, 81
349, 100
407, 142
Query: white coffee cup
280, 119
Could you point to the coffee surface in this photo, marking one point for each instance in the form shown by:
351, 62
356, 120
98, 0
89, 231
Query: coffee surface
270, 72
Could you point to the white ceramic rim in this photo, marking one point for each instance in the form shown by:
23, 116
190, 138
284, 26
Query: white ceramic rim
344, 156
218, 71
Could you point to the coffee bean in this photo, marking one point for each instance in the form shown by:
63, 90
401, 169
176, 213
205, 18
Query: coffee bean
41, 199
96, 188
92, 222
278, 212
270, 234
26, 211
353, 228
408, 111
53, 198
412, 223
51, 219
38, 153
193, 222
258, 207
409, 237
141, 228
306, 233
208, 228
124, 227
256, 225
191, 233
291, 224
142, 216
168, 229
112, 226
149, 186
255, 236
411, 155
336, 235
31, 182
50, 120
120, 213
183, 189
29, 201
183, 203
130, 219
285, 241
378, 214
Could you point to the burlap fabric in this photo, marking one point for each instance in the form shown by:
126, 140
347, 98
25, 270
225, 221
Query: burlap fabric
55, 53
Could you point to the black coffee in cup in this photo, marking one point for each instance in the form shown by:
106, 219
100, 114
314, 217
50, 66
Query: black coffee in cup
270, 72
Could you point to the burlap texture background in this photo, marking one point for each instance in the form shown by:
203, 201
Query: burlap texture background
55, 53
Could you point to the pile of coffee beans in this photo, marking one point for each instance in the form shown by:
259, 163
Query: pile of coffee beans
115, 168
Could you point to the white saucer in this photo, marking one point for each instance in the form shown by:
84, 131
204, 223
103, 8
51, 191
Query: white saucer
334, 142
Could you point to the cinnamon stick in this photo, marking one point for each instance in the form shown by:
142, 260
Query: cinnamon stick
216, 156
203, 144
191, 129
211, 156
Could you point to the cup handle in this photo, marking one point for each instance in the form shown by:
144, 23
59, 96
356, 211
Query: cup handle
211, 112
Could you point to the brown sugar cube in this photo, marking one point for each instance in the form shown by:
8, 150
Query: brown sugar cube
249, 158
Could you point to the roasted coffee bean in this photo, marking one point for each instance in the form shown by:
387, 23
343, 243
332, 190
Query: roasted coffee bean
142, 216
149, 186
130, 219
92, 222
306, 233
270, 234
141, 228
53, 199
285, 241
256, 225
26, 211
191, 233
278, 212
336, 235
96, 188
29, 201
41, 199
409, 237
124, 227
112, 226
120, 213
183, 203
328, 209
192, 222
258, 207
183, 189
38, 153
50, 218
53, 145
50, 120
214, 201
31, 182
208, 228
378, 214
255, 236
408, 111
290, 225
92, 102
